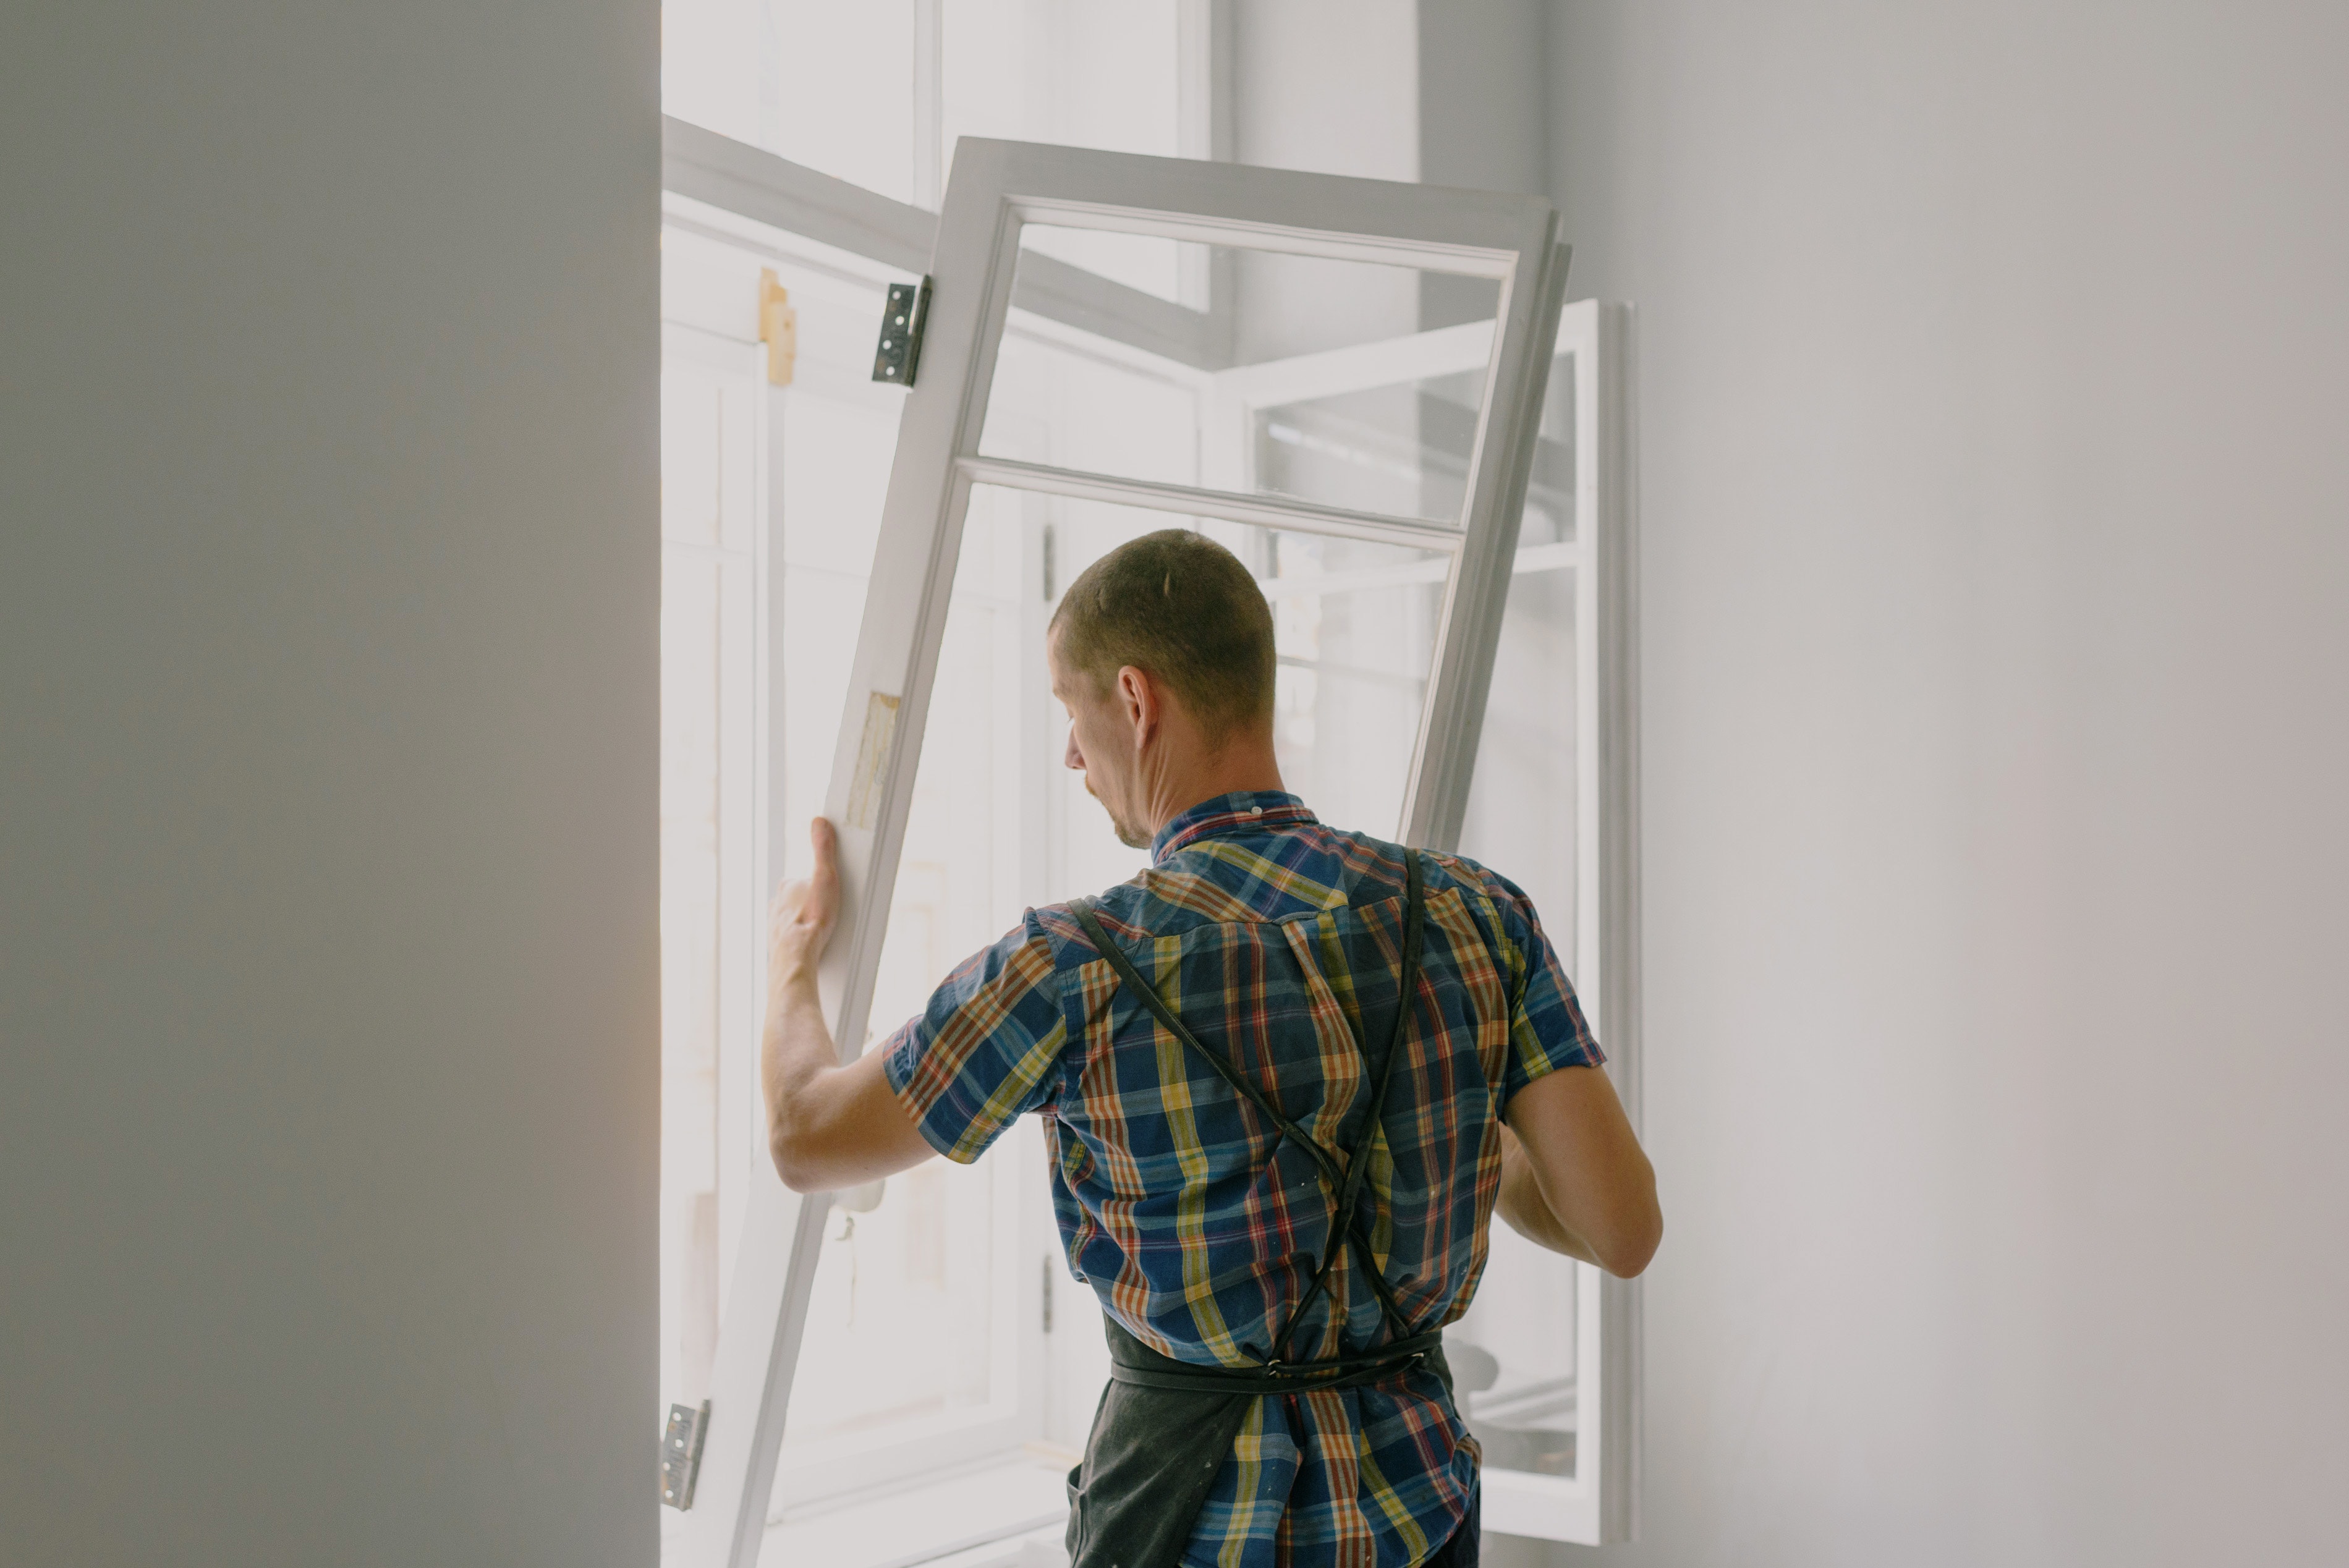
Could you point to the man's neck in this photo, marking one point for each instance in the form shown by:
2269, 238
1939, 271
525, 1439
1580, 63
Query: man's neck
1235, 770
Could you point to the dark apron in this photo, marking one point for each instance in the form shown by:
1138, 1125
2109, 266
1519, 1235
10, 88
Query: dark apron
1165, 1427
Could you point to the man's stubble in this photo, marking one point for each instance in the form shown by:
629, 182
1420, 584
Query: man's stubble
1132, 838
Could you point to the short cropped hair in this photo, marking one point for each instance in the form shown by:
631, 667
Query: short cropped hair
1182, 607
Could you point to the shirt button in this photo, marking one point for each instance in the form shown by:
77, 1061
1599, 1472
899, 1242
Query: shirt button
1256, 810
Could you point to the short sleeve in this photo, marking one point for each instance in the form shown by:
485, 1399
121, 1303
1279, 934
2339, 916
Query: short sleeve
985, 1050
1546, 1029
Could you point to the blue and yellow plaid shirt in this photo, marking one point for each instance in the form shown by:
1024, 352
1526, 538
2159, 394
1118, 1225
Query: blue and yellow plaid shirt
1275, 939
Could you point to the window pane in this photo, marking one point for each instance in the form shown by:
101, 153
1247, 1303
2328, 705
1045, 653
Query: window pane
829, 85
1401, 449
1373, 439
1075, 411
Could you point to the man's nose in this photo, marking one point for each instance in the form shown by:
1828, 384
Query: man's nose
1073, 758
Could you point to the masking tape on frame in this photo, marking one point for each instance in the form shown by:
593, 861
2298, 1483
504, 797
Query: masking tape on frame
872, 758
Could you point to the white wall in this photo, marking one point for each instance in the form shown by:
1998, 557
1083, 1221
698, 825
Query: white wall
1325, 86
1483, 113
1328, 86
327, 597
1995, 364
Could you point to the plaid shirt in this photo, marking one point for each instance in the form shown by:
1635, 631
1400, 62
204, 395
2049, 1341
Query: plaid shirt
1275, 939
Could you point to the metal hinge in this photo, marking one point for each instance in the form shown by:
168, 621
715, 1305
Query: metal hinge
1048, 1293
778, 328
901, 332
681, 1453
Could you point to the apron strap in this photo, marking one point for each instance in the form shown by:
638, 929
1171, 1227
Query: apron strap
1359, 1160
1346, 1228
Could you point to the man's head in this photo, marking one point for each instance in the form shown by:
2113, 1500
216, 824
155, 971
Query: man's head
1162, 652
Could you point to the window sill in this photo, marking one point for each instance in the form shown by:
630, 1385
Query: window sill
1007, 1513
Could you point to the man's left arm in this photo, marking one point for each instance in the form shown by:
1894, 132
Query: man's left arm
1573, 1176
829, 1126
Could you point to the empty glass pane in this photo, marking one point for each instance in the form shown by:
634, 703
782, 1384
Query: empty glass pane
1363, 434
1075, 411
1402, 449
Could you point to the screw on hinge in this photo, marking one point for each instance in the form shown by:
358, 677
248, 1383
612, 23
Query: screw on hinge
681, 1463
901, 332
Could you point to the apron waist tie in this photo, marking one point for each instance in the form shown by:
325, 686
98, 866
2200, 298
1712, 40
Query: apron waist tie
1138, 1366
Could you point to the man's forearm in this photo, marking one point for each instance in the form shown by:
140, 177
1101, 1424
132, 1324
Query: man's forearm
1521, 1203
828, 1125
797, 1050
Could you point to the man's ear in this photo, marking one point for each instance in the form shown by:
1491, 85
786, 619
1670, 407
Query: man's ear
1138, 698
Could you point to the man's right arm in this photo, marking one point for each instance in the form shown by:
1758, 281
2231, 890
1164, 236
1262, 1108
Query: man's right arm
1573, 1176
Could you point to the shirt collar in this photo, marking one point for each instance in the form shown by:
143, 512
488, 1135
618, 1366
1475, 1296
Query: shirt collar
1244, 811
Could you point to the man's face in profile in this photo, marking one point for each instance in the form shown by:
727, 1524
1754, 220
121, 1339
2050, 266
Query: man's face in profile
1100, 746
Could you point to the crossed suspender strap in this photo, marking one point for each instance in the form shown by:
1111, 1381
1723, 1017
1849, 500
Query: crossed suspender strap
1346, 1227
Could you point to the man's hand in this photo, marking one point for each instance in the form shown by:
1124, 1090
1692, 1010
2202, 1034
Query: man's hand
800, 923
828, 1125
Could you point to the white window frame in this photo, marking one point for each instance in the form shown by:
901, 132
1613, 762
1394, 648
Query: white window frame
997, 187
741, 738
766, 205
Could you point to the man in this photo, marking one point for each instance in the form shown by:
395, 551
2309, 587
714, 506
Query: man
1287, 1074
